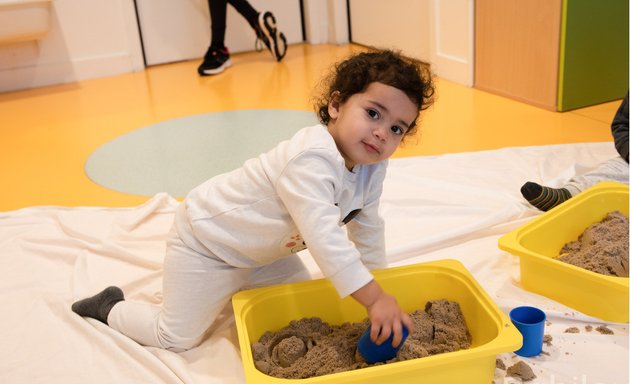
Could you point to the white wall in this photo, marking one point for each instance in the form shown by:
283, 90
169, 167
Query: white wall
87, 39
452, 40
438, 31
326, 21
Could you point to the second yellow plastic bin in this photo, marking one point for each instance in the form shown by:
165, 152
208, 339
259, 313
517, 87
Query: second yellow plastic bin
538, 244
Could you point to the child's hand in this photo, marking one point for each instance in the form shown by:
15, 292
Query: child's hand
387, 318
385, 314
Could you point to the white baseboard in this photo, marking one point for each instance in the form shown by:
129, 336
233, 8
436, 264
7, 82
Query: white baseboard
43, 74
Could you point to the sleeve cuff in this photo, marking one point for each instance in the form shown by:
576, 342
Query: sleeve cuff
351, 278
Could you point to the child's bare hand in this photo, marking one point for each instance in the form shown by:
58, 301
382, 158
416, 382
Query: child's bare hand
387, 318
385, 314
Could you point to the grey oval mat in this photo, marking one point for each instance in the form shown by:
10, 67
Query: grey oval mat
176, 155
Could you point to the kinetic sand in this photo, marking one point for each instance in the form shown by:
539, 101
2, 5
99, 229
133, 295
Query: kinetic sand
310, 347
602, 247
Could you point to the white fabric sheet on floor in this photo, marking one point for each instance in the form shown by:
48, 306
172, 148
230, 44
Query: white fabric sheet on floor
452, 206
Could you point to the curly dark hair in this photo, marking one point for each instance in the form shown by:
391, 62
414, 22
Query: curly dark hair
388, 67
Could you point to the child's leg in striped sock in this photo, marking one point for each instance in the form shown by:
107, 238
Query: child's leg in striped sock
544, 198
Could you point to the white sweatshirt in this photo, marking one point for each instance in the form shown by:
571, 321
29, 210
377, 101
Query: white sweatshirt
296, 195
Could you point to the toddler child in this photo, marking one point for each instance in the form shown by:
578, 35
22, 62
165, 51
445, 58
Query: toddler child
242, 229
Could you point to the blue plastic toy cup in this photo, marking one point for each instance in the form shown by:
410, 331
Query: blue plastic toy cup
373, 353
530, 322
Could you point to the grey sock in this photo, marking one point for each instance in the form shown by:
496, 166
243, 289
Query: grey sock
99, 305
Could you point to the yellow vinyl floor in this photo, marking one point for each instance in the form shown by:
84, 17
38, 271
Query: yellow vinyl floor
49, 132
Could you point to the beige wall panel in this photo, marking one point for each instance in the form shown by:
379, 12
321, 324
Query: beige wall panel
437, 31
398, 24
517, 49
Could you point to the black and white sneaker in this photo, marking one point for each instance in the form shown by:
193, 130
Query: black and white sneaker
215, 61
267, 32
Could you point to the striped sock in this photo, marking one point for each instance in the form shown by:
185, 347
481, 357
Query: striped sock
544, 198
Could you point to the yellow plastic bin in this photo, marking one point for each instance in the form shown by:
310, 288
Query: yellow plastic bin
538, 244
272, 308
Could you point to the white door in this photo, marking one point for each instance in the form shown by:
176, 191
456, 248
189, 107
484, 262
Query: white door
438, 31
453, 36
176, 30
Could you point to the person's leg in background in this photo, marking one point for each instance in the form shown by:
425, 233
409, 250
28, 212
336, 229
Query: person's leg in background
246, 10
264, 24
615, 169
545, 198
217, 58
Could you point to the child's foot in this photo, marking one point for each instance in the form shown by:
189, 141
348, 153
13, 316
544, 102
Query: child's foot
99, 305
215, 61
268, 33
544, 198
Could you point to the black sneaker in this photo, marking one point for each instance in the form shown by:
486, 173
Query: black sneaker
215, 61
273, 39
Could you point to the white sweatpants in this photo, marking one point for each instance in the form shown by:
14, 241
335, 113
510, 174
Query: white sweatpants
615, 169
196, 288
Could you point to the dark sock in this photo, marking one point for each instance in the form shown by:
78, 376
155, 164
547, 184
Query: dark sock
217, 45
99, 305
544, 198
